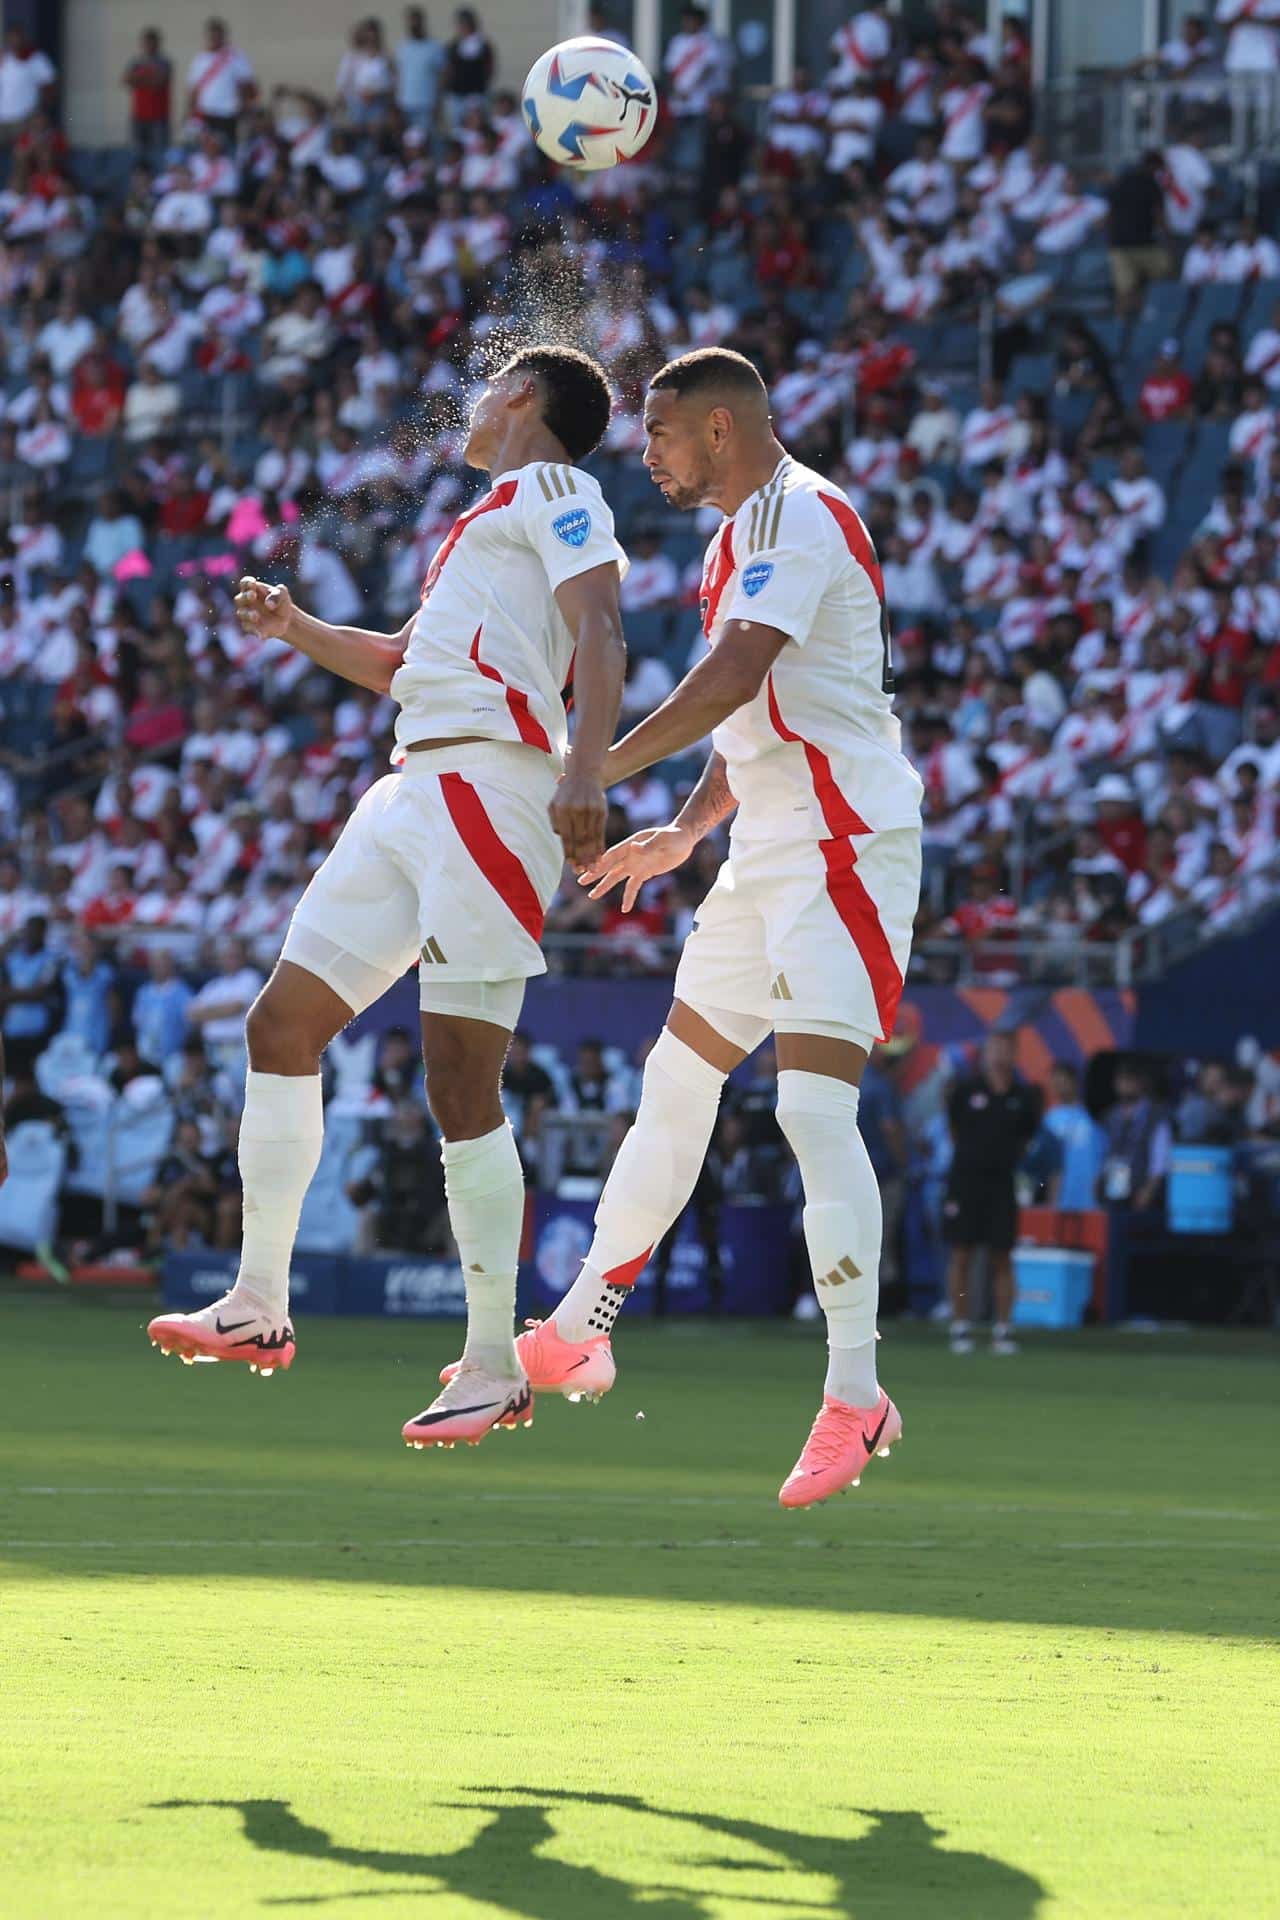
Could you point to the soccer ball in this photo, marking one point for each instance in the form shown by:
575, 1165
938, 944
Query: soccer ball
589, 103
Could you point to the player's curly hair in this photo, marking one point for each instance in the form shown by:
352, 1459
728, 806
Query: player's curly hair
576, 398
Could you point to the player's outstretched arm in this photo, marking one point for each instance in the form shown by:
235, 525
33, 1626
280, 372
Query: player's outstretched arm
589, 604
643, 856
366, 659
731, 675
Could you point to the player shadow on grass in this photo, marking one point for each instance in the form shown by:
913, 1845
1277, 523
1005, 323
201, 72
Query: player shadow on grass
894, 1868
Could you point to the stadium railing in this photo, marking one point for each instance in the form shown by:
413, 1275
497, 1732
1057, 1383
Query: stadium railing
1106, 119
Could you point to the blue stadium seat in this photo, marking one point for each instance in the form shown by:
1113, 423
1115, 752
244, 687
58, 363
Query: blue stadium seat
1261, 301
1030, 373
1213, 306
1165, 443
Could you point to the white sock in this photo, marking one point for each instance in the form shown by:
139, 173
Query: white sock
281, 1134
484, 1186
842, 1224
649, 1183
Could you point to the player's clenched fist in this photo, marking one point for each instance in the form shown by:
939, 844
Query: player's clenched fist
263, 609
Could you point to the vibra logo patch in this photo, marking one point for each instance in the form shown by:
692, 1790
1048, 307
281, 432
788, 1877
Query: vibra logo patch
573, 527
757, 577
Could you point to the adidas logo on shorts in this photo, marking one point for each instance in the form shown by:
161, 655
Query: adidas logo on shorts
431, 953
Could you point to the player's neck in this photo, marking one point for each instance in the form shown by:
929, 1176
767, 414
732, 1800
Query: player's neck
746, 476
524, 445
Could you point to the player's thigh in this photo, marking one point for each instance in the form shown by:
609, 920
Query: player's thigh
839, 918
724, 963
485, 862
356, 926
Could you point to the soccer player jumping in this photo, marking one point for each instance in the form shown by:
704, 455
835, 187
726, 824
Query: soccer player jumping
451, 862
807, 929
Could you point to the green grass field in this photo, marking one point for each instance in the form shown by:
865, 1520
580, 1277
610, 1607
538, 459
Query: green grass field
257, 1655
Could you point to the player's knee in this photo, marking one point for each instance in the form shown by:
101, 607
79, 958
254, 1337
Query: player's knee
462, 1106
281, 1036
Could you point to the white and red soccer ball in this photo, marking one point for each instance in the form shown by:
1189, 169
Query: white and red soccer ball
589, 103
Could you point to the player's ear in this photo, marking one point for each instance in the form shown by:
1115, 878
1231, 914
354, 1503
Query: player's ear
719, 426
525, 394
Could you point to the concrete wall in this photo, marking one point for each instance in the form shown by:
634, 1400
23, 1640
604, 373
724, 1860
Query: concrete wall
299, 41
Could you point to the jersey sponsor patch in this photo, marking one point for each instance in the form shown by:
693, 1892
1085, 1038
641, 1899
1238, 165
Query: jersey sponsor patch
572, 527
756, 577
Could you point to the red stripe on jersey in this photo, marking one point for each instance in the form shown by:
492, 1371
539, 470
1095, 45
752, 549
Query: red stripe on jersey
858, 911
857, 539
717, 577
836, 810
628, 1273
531, 731
497, 863
500, 497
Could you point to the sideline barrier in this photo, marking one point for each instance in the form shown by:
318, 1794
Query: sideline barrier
754, 1256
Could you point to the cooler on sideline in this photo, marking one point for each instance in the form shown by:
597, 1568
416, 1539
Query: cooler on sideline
1052, 1286
1201, 1189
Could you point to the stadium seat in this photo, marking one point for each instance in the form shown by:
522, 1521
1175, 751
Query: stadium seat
1030, 373
330, 1221
141, 1129
1213, 306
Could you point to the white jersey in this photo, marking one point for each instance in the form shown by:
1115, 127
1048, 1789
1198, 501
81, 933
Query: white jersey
817, 754
490, 656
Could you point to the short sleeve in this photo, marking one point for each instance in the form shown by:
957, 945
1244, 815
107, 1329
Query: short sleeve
568, 524
785, 563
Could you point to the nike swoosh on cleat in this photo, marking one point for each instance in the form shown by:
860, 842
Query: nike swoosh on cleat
234, 1328
580, 1363
453, 1413
870, 1442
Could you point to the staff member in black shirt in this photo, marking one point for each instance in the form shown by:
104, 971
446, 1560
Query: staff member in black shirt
993, 1116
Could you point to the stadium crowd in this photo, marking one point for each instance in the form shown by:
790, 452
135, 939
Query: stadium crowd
248, 344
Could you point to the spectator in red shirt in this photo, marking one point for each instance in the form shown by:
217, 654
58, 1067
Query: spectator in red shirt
157, 720
97, 392
1224, 678
1166, 392
185, 509
1121, 828
987, 914
149, 78
782, 257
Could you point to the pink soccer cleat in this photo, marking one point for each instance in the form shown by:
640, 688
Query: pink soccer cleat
579, 1369
228, 1329
841, 1441
473, 1403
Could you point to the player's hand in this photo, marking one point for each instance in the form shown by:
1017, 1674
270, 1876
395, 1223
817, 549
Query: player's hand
632, 862
263, 609
578, 812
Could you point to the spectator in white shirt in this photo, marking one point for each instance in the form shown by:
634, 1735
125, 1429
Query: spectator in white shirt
27, 81
1187, 179
1204, 260
151, 406
694, 65
182, 209
860, 47
66, 338
1251, 255
365, 82
220, 81
1252, 42
653, 580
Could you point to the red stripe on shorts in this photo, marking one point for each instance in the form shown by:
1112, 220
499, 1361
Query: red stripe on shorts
531, 731
859, 913
836, 810
497, 863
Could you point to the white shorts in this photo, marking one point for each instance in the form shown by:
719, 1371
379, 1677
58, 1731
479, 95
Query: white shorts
808, 936
451, 862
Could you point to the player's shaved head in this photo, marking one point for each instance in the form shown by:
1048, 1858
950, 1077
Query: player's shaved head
706, 416
717, 376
